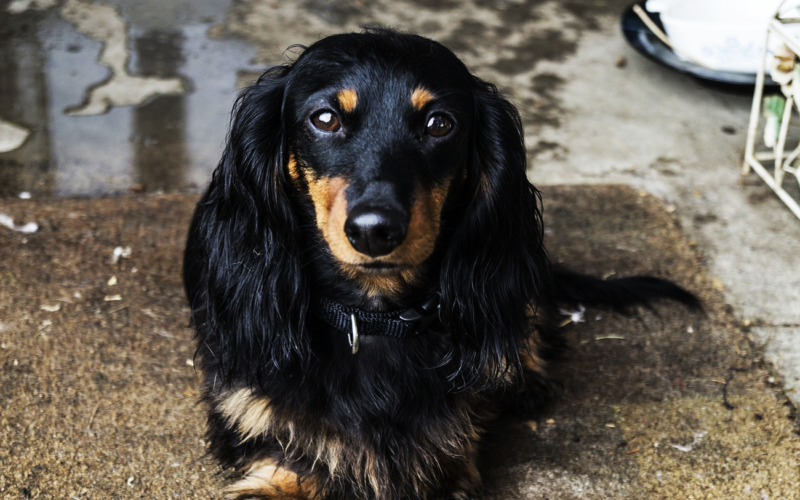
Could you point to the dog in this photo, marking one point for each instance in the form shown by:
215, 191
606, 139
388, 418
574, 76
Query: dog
367, 276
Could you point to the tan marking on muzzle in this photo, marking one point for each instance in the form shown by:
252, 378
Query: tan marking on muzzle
420, 241
330, 206
420, 97
348, 99
423, 228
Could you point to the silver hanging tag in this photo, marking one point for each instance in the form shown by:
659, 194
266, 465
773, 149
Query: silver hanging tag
352, 338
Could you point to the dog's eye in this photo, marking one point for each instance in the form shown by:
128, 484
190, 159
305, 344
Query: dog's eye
326, 120
438, 126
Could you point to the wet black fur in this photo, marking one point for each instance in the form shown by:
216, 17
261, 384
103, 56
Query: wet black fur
254, 261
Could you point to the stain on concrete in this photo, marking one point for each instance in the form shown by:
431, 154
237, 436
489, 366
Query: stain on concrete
670, 167
544, 109
462, 41
513, 12
437, 4
122, 88
547, 150
335, 11
550, 45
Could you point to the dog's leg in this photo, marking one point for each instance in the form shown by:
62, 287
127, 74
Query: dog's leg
466, 483
536, 390
266, 480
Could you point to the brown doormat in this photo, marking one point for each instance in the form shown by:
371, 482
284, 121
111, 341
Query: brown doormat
98, 398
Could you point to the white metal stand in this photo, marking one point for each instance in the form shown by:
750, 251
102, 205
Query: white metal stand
783, 160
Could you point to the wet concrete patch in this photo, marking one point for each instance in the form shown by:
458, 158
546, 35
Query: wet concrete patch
163, 143
121, 58
104, 24
165, 77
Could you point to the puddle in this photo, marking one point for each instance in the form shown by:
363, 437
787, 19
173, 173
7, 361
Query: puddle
103, 97
98, 98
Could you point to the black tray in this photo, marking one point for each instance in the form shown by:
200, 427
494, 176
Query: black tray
645, 42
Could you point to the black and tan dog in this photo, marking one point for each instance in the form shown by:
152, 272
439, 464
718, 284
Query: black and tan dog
366, 273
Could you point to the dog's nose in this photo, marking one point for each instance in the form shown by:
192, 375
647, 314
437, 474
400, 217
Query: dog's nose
375, 231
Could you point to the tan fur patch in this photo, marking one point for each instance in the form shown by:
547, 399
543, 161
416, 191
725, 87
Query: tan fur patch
529, 351
249, 412
265, 479
531, 361
450, 447
420, 97
348, 99
294, 173
330, 206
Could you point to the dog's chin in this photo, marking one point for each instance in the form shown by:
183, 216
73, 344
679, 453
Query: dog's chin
379, 268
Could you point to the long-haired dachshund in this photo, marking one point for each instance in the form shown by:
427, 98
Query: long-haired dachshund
366, 275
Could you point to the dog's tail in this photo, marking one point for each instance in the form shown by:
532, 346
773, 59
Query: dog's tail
621, 294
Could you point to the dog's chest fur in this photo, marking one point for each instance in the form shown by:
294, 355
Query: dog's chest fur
377, 426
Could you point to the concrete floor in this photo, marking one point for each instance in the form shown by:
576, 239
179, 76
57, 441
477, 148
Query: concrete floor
149, 113
682, 141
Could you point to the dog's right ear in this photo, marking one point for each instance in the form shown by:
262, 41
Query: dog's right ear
242, 268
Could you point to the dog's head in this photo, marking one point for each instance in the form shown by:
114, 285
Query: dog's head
378, 129
400, 157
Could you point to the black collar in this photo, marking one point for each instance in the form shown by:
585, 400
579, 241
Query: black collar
397, 324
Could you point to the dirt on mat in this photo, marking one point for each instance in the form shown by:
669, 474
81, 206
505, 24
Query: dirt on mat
98, 395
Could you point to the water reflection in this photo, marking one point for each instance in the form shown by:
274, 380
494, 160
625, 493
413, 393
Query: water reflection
159, 127
169, 142
24, 102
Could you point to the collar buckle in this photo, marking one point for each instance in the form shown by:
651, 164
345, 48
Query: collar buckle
423, 315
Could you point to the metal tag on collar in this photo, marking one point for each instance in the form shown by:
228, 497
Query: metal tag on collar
352, 337
423, 315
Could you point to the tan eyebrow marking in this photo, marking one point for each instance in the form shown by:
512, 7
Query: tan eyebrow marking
348, 99
420, 97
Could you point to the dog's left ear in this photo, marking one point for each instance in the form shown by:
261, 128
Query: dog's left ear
242, 269
496, 267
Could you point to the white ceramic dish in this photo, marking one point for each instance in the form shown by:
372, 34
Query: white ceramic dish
723, 35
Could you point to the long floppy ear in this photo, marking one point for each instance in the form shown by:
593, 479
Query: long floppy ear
496, 266
242, 268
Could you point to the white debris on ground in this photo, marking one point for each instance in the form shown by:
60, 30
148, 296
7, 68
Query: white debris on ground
575, 316
698, 436
11, 136
30, 227
105, 24
120, 253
